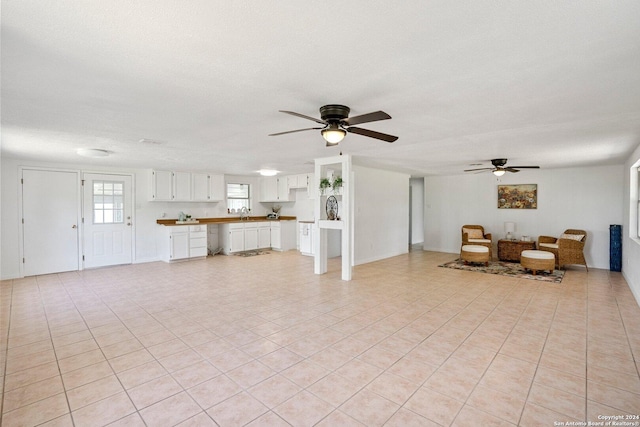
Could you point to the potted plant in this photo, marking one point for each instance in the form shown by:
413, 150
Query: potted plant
337, 184
324, 184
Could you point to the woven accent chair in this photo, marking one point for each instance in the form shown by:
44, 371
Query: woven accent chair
475, 235
568, 248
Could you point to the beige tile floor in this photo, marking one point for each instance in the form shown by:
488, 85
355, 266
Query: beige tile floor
262, 341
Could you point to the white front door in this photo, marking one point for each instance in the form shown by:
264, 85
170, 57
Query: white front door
108, 219
50, 217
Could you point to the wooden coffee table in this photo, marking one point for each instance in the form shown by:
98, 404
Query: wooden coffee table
510, 250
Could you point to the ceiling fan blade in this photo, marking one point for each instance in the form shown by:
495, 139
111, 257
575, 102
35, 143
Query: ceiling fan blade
525, 167
510, 169
481, 169
293, 113
372, 134
293, 131
366, 118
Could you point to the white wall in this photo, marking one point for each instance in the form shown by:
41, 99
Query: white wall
630, 241
145, 213
584, 198
417, 210
381, 214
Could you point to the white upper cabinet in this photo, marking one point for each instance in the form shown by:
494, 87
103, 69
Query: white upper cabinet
297, 181
277, 189
181, 186
292, 181
217, 189
274, 189
170, 186
200, 183
207, 187
283, 190
162, 186
269, 189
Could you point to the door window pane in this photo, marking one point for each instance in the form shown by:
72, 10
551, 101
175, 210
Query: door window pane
108, 202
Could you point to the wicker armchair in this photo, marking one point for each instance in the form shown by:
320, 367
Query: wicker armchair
475, 235
568, 250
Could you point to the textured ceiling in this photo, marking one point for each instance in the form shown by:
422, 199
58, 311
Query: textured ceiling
197, 85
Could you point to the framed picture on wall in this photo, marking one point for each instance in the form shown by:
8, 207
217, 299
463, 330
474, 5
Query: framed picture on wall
520, 196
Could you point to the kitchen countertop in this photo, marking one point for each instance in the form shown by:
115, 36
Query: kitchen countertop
224, 220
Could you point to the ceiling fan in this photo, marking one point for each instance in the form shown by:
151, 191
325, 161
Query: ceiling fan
499, 167
336, 123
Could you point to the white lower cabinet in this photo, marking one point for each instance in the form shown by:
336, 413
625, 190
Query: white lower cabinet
283, 235
251, 236
236, 242
197, 241
178, 245
247, 236
264, 235
183, 242
305, 237
231, 237
275, 235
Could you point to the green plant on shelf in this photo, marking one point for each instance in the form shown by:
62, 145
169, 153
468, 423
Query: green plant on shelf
337, 184
324, 184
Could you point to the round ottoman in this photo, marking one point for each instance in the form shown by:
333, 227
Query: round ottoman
475, 253
538, 260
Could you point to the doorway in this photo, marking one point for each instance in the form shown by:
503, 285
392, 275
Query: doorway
50, 219
416, 212
107, 219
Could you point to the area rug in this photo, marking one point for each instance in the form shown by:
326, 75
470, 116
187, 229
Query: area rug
512, 269
251, 253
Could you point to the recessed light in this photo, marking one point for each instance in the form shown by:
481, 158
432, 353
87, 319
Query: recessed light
267, 172
92, 152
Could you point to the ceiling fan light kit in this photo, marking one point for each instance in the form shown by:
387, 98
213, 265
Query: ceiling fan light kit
337, 123
499, 167
333, 134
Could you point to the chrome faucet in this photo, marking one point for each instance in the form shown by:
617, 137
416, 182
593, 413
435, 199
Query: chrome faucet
244, 213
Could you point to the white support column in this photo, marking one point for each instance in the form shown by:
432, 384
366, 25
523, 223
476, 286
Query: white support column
340, 166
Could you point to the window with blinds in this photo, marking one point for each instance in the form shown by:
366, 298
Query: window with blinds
238, 196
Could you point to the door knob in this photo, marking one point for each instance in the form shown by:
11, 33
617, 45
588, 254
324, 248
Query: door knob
129, 224
74, 226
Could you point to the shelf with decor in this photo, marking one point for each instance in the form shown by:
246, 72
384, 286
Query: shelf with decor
333, 210
330, 224
331, 198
